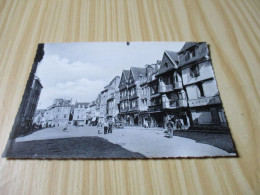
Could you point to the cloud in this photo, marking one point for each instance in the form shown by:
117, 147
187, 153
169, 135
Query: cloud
53, 69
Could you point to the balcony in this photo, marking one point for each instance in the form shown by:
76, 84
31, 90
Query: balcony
123, 98
133, 108
123, 110
165, 88
174, 104
133, 96
155, 108
202, 101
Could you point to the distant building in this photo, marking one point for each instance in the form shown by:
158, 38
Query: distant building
80, 113
112, 87
112, 106
39, 117
58, 114
199, 81
92, 114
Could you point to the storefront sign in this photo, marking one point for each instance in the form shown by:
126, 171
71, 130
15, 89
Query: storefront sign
205, 101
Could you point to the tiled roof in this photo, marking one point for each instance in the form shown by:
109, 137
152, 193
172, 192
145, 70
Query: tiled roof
127, 73
62, 103
187, 45
173, 55
136, 71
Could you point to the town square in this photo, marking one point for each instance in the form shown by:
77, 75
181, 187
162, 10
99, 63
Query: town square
167, 109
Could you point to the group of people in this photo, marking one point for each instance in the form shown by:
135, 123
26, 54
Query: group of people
173, 124
106, 125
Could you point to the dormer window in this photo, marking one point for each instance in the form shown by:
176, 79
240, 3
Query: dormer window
192, 54
187, 55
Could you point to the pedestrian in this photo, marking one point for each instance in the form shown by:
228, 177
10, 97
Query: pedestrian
65, 127
110, 126
178, 124
145, 124
170, 126
105, 127
99, 127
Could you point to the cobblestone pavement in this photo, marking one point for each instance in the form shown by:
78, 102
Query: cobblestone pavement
150, 142
79, 147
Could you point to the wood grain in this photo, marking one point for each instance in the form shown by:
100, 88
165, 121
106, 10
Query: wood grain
231, 27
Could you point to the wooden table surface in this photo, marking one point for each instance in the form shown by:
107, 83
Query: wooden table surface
231, 27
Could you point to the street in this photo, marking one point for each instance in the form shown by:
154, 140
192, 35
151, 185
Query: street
136, 142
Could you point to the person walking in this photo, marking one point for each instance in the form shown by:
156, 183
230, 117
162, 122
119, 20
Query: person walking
145, 124
110, 126
105, 127
99, 125
170, 126
65, 127
179, 124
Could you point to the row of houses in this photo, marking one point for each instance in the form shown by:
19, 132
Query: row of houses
181, 85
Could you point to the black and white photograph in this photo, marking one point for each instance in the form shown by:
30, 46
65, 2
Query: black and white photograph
121, 100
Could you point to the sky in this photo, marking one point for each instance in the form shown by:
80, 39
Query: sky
79, 71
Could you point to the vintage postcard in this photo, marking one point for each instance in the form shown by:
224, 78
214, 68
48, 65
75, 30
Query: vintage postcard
121, 100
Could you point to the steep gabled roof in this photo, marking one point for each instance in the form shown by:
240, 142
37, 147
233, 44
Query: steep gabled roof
125, 76
168, 56
187, 45
126, 73
136, 71
172, 55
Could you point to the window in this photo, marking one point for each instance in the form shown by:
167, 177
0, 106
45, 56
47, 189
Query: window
200, 90
65, 115
192, 54
187, 55
180, 96
166, 64
194, 71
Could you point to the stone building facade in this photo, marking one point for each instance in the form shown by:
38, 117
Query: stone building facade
58, 114
80, 113
106, 97
199, 81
